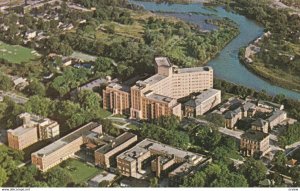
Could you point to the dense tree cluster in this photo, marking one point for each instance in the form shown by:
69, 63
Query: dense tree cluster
290, 135
69, 114
5, 83
166, 130
215, 175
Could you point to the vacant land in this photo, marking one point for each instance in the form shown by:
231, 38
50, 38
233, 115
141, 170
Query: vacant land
80, 171
17, 54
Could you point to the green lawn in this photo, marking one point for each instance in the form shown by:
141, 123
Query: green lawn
17, 54
133, 127
104, 113
80, 171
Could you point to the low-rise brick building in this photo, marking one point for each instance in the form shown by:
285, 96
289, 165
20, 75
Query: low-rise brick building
33, 129
254, 142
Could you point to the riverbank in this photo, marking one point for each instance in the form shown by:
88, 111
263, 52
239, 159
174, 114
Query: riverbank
277, 57
278, 79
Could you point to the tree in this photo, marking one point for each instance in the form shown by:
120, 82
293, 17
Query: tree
215, 118
36, 88
104, 183
89, 101
3, 177
104, 67
295, 174
197, 180
230, 180
154, 182
58, 177
279, 161
39, 105
5, 83
254, 171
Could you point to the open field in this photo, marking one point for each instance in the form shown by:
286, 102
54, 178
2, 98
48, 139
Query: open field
80, 171
83, 56
16, 54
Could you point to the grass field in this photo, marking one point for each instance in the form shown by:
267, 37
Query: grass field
80, 171
16, 54
104, 113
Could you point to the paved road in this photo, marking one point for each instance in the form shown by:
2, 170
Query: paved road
14, 97
237, 133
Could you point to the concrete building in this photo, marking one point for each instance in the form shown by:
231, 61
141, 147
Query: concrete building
276, 118
104, 153
33, 129
158, 94
65, 147
254, 142
260, 125
202, 103
129, 163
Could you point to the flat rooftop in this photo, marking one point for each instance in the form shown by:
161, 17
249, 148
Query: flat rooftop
183, 168
163, 62
117, 142
158, 97
150, 145
118, 86
153, 79
195, 69
67, 139
20, 130
34, 118
204, 96
91, 85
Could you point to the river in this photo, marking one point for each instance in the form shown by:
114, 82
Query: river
226, 65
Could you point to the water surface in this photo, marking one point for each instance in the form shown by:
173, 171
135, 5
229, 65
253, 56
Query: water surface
226, 65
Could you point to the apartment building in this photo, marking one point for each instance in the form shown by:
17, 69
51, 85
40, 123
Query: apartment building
116, 97
130, 162
33, 129
106, 152
65, 147
254, 142
158, 94
202, 103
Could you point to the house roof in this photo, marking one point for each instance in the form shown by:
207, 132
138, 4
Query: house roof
254, 135
259, 122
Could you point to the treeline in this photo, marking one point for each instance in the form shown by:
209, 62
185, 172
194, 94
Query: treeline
69, 114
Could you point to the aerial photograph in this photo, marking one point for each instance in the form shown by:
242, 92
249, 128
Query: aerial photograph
160, 94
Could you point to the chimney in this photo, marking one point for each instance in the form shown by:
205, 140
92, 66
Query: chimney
158, 170
113, 144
